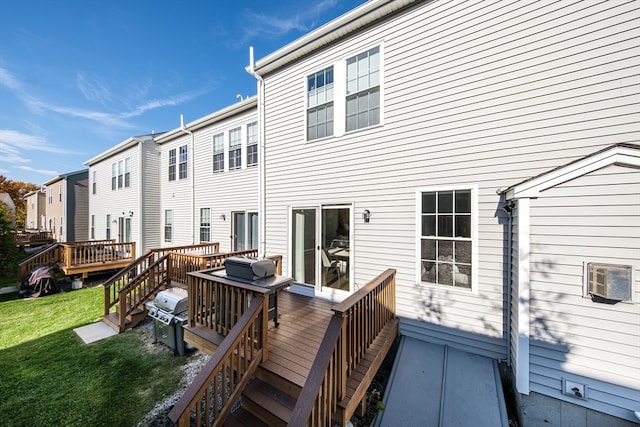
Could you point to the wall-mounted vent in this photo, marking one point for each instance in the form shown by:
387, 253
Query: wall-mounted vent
609, 281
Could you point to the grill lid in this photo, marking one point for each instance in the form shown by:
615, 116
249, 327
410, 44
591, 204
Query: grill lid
172, 300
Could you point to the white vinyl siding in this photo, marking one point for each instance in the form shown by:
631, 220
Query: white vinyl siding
474, 94
593, 343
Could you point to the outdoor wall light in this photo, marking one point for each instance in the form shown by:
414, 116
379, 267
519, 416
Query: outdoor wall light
366, 216
130, 213
223, 217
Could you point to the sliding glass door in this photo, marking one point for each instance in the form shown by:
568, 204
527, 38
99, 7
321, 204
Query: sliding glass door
320, 247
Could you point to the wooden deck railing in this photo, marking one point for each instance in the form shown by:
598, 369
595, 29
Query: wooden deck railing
95, 252
116, 283
50, 256
211, 396
355, 324
24, 238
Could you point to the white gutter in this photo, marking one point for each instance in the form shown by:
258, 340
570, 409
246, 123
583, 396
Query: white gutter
193, 179
262, 202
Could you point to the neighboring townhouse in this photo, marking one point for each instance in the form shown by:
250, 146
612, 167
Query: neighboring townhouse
67, 206
36, 210
406, 134
209, 179
10, 206
124, 194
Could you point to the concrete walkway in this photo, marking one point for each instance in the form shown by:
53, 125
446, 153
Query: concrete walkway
94, 332
434, 385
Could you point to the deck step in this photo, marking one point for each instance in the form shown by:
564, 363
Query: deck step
269, 404
243, 418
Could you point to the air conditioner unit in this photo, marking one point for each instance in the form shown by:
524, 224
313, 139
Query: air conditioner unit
609, 281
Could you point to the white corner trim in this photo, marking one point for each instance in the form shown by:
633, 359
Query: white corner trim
616, 155
524, 247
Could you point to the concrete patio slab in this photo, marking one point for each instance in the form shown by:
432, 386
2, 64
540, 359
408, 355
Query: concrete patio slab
94, 332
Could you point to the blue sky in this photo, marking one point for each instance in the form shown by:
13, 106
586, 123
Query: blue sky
80, 76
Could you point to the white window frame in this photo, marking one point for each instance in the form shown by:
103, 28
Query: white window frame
172, 165
127, 172
205, 225
168, 225
474, 238
235, 148
362, 88
93, 227
120, 174
252, 144
114, 176
94, 183
218, 152
183, 162
320, 100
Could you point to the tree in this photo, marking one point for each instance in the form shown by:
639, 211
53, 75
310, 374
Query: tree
8, 250
18, 190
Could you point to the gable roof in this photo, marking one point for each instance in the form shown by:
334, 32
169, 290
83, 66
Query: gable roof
130, 142
65, 176
6, 198
343, 26
619, 154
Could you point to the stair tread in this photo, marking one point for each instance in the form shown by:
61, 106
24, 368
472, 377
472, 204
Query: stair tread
277, 402
243, 418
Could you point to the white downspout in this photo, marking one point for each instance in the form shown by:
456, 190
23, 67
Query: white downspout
262, 202
193, 179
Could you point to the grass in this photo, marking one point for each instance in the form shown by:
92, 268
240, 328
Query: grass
48, 376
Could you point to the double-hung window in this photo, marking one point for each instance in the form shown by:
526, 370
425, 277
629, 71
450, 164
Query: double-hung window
235, 148
114, 176
168, 225
120, 173
182, 165
218, 152
108, 229
363, 90
446, 237
320, 104
252, 144
172, 164
127, 172
94, 183
205, 225
93, 227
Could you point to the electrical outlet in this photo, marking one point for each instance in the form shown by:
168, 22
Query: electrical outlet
574, 389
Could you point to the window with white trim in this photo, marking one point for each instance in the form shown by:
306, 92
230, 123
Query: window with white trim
235, 148
168, 225
252, 144
182, 165
120, 173
94, 182
363, 90
205, 225
108, 228
114, 176
93, 227
127, 172
172, 164
218, 152
446, 237
320, 104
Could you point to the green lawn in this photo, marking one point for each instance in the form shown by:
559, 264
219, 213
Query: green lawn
49, 377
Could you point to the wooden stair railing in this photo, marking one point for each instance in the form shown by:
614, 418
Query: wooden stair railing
355, 325
212, 394
48, 256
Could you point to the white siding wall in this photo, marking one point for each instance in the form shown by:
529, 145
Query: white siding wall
228, 191
595, 218
176, 195
478, 93
151, 227
114, 202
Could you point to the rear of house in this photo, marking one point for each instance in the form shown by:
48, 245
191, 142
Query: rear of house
124, 196
67, 206
209, 180
389, 137
36, 210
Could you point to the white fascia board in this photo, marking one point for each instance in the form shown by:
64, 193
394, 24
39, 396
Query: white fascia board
348, 23
621, 155
112, 151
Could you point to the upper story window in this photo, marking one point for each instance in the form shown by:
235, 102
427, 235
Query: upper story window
446, 238
120, 173
127, 172
252, 144
320, 104
60, 192
114, 176
235, 148
172, 164
182, 165
94, 182
363, 90
50, 195
218, 152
